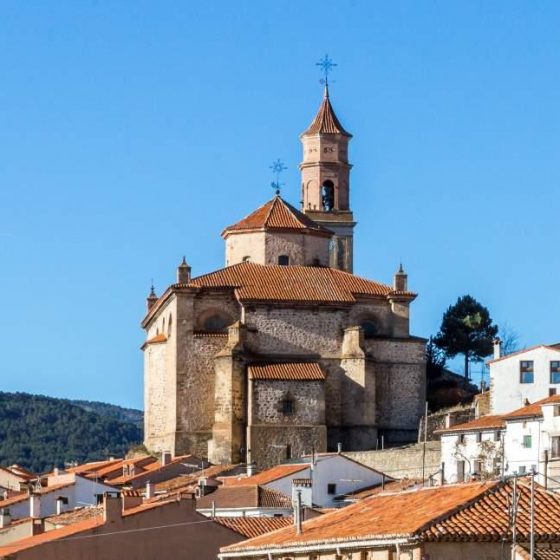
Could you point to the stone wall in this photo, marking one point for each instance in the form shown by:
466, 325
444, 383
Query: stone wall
401, 462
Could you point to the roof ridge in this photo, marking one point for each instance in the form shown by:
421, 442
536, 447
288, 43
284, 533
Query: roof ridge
274, 202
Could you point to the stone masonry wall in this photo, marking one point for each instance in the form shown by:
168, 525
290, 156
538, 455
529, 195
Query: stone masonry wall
308, 396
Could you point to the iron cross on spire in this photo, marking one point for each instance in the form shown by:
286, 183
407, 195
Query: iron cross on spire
277, 168
326, 64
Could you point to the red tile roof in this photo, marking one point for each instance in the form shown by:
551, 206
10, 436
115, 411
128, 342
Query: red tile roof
543, 552
489, 422
251, 527
325, 121
532, 410
297, 371
192, 479
257, 282
266, 477
277, 214
462, 512
23, 496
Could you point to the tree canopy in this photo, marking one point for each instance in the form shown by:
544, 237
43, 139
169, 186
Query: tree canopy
467, 329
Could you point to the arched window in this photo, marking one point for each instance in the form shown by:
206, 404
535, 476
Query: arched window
247, 258
370, 328
169, 324
327, 196
215, 323
283, 260
163, 326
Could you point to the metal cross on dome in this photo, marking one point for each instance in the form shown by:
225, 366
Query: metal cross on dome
277, 168
326, 64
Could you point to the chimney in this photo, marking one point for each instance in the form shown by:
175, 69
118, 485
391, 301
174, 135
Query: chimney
130, 499
34, 506
297, 512
150, 490
497, 348
151, 299
5, 518
400, 280
61, 501
112, 508
183, 272
165, 458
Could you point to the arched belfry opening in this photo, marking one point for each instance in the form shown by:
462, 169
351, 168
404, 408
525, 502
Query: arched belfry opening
327, 196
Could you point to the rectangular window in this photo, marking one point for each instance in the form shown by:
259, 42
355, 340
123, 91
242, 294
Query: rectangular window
477, 467
526, 372
528, 442
461, 438
331, 489
497, 435
478, 437
555, 372
551, 391
556, 410
460, 471
522, 469
555, 447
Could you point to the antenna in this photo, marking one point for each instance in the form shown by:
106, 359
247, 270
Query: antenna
277, 168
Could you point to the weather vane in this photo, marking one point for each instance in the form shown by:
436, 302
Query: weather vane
277, 168
326, 64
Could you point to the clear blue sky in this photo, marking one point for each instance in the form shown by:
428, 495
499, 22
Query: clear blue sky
131, 133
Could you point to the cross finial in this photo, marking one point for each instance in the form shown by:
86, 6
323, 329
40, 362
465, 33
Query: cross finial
326, 64
277, 168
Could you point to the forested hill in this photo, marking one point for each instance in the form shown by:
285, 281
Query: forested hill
40, 432
113, 411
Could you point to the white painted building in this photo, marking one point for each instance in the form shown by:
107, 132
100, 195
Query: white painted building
62, 493
472, 449
524, 440
329, 474
532, 374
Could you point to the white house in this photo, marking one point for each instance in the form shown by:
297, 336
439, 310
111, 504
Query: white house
532, 441
62, 493
320, 478
530, 374
472, 449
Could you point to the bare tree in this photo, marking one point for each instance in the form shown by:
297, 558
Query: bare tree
510, 339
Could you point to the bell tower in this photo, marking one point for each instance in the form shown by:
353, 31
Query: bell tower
325, 182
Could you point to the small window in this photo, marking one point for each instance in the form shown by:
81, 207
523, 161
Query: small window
247, 258
556, 410
497, 435
555, 372
555, 447
526, 372
370, 328
288, 406
551, 391
461, 438
527, 442
283, 260
316, 262
522, 469
169, 325
327, 196
288, 451
478, 437
331, 489
460, 471
477, 467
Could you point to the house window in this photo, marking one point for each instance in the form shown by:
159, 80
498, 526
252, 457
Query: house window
555, 447
551, 391
555, 372
522, 469
461, 438
478, 437
288, 406
527, 442
477, 467
497, 435
283, 260
526, 372
331, 489
288, 451
556, 410
460, 471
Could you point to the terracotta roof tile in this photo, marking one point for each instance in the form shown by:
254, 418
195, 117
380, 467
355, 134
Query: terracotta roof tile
265, 477
193, 478
23, 496
251, 527
543, 552
326, 121
256, 282
488, 422
75, 515
532, 410
298, 371
277, 214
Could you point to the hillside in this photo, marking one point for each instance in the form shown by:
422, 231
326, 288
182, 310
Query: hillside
40, 432
131, 415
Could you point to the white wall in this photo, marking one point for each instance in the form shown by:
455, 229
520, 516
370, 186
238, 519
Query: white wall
471, 450
507, 393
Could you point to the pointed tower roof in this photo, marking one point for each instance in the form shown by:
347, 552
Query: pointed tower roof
277, 214
326, 121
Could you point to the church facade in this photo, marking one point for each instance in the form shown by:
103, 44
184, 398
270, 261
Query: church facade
284, 351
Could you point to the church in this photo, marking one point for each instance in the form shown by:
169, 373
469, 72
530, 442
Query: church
284, 351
